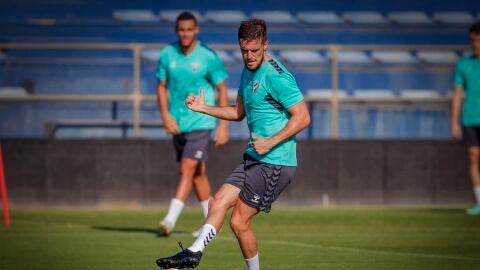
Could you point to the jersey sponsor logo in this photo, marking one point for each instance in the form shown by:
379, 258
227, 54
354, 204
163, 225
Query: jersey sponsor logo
199, 154
195, 66
256, 84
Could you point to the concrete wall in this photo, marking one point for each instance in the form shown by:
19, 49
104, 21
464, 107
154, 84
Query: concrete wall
144, 172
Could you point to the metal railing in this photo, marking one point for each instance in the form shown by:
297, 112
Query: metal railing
136, 97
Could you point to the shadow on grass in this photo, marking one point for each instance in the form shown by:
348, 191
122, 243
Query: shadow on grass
135, 230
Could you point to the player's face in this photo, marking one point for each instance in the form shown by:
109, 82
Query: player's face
253, 52
475, 43
187, 32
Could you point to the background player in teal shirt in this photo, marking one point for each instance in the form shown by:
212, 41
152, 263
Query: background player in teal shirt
467, 85
275, 110
184, 68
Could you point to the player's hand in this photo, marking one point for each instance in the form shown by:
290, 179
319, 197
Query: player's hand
456, 131
196, 103
221, 135
170, 125
261, 145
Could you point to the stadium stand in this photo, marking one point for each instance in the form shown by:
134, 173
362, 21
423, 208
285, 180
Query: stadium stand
301, 37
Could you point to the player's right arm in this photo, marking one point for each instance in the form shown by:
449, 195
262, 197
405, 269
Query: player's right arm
456, 106
234, 112
169, 122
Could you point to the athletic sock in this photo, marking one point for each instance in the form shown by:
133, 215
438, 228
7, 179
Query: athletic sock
253, 263
476, 190
176, 207
207, 233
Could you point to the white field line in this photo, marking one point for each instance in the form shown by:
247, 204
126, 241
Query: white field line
359, 250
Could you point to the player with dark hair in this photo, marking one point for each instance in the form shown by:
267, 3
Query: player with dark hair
268, 96
184, 68
467, 83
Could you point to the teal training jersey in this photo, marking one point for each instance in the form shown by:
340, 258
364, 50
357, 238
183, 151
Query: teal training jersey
187, 74
267, 94
467, 75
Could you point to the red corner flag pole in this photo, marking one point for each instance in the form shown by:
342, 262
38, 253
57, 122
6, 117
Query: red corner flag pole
3, 191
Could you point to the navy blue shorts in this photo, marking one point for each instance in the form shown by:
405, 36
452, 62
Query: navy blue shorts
471, 136
260, 183
192, 144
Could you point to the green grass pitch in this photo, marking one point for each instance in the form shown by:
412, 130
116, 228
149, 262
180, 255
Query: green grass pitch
289, 238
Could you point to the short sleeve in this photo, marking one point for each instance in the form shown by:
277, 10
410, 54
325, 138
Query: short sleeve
217, 72
161, 72
284, 89
458, 79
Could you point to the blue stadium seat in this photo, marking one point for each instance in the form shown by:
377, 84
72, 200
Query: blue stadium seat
320, 17
302, 57
275, 16
135, 15
324, 94
225, 16
12, 91
151, 55
394, 57
453, 17
364, 17
352, 57
90, 133
226, 57
374, 94
438, 57
419, 94
410, 17
172, 14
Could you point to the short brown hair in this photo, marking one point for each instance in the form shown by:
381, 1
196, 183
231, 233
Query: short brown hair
185, 16
252, 29
475, 28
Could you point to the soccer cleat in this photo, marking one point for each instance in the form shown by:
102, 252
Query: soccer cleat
165, 228
474, 211
184, 259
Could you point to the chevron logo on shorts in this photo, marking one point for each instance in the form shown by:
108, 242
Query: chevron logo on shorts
256, 199
198, 154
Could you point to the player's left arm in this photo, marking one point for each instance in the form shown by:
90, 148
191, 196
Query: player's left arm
222, 134
300, 119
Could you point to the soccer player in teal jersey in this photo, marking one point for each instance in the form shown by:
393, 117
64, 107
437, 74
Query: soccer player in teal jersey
270, 99
467, 83
184, 68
